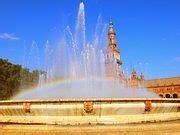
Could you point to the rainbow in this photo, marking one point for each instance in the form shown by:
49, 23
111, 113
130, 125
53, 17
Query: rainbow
61, 80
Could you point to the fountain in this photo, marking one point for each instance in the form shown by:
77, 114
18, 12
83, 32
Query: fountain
76, 69
75, 92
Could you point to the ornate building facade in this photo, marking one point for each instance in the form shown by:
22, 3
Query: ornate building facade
165, 87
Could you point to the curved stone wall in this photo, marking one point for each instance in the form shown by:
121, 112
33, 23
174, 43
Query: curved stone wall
89, 111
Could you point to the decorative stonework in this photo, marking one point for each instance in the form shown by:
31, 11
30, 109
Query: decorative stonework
26, 107
88, 107
147, 105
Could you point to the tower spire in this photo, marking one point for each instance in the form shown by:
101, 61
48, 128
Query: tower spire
111, 28
112, 35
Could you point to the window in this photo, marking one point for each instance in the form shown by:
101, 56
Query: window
167, 95
175, 96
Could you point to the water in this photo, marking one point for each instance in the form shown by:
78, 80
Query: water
85, 89
75, 68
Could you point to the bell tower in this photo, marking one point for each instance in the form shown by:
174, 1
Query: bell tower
113, 63
112, 36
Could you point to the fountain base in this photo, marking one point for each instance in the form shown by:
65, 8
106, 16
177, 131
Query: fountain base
110, 111
90, 116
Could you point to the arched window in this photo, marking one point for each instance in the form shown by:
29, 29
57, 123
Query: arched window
161, 95
175, 96
167, 95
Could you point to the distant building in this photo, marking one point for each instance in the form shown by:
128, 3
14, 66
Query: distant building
135, 81
164, 87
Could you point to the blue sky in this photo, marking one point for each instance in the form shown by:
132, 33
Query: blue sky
148, 31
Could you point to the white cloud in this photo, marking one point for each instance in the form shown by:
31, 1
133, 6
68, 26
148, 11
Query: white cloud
8, 36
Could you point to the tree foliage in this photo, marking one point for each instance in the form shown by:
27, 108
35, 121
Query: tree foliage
13, 77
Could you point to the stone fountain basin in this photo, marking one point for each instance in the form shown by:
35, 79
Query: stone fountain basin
89, 111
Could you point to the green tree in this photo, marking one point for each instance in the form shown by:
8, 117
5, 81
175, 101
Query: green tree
13, 78
9, 78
